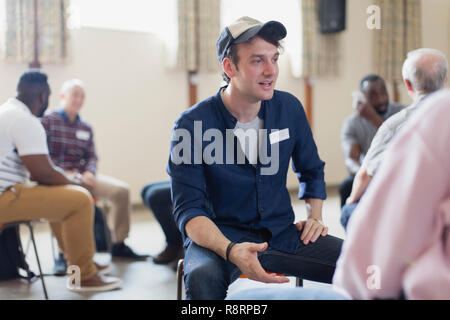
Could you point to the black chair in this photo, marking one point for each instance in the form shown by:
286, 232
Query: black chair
29, 273
180, 274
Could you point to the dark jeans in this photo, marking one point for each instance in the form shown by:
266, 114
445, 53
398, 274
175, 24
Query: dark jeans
156, 197
347, 211
207, 275
345, 189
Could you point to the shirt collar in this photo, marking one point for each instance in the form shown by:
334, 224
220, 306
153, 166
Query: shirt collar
64, 115
421, 97
230, 120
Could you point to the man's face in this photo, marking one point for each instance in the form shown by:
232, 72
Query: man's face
376, 95
74, 99
257, 70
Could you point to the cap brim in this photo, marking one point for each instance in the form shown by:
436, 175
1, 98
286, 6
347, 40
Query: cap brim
273, 27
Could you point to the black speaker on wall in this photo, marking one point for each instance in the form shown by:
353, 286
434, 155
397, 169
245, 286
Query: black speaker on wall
332, 15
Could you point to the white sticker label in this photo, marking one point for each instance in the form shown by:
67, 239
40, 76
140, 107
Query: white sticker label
83, 135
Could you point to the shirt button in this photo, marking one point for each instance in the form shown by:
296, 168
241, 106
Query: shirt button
262, 209
260, 180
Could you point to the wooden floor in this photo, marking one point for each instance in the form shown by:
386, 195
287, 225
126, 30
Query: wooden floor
142, 280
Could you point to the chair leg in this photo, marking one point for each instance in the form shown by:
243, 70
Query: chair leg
180, 274
37, 259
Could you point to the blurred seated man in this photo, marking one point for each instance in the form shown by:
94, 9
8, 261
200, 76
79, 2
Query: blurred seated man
360, 128
156, 196
424, 72
71, 146
398, 241
57, 197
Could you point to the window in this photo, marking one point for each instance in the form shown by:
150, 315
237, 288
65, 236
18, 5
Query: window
286, 11
153, 16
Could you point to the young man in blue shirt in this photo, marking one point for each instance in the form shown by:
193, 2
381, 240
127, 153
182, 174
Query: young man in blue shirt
228, 165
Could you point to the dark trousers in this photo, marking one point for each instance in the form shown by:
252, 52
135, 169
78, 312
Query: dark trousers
345, 189
207, 275
156, 196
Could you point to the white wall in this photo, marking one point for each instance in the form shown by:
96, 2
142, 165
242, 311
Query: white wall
132, 100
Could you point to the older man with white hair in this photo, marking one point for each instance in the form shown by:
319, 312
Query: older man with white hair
71, 146
424, 72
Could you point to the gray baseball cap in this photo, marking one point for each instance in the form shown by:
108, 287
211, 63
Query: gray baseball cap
244, 29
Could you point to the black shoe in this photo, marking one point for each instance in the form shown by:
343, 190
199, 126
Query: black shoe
60, 267
121, 250
169, 254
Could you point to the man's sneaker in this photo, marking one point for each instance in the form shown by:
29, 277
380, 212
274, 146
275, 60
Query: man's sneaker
96, 283
169, 254
60, 267
121, 250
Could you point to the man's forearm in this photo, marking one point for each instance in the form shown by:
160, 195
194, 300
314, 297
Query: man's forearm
314, 208
204, 232
362, 180
57, 177
376, 121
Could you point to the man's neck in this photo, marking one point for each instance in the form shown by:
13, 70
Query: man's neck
25, 102
72, 115
239, 105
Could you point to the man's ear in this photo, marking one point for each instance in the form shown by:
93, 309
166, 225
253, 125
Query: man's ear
228, 67
408, 85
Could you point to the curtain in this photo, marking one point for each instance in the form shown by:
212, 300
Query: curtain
52, 31
400, 33
198, 30
320, 52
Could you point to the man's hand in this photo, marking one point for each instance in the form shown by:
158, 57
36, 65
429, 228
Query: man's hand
312, 230
89, 179
245, 257
78, 179
365, 110
369, 113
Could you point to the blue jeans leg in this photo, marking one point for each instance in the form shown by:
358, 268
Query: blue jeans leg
207, 275
347, 212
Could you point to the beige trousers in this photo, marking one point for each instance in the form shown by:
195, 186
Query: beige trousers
69, 210
117, 193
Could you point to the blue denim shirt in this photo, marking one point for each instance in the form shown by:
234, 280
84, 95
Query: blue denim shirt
238, 196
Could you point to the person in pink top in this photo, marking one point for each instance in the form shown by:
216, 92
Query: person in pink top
398, 242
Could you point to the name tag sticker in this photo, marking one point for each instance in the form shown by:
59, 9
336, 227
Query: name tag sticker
83, 135
279, 136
